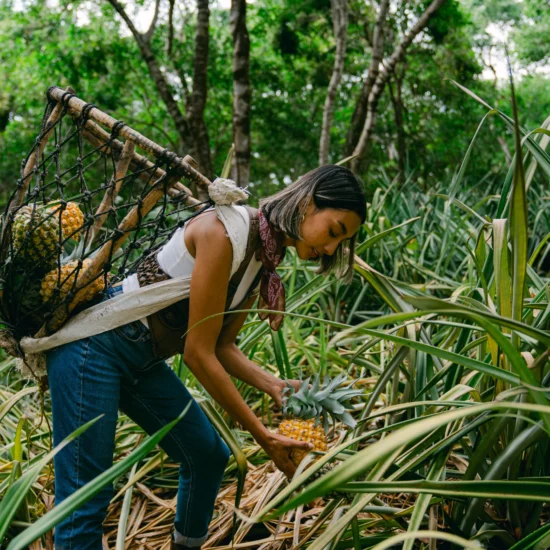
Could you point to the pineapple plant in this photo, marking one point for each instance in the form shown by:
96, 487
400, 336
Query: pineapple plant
63, 278
304, 408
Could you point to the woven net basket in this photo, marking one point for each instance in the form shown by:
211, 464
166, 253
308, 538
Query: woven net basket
85, 212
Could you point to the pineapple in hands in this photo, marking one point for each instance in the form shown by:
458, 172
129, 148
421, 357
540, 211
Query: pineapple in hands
303, 409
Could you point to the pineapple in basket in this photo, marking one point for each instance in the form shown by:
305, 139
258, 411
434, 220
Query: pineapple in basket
36, 231
72, 219
63, 278
35, 235
303, 409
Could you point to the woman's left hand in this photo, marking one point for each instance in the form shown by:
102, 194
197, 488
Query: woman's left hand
277, 391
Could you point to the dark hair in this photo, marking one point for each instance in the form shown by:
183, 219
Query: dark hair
329, 186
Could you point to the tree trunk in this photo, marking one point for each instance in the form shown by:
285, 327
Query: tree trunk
241, 93
191, 129
180, 122
340, 18
377, 53
398, 108
383, 77
200, 88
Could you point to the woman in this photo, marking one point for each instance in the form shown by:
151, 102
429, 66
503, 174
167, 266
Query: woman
319, 215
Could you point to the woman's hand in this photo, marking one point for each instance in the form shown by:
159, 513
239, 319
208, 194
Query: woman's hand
279, 448
276, 392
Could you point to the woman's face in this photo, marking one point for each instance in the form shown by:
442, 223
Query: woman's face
323, 230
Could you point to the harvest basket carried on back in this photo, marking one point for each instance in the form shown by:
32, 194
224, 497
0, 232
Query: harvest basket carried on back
85, 211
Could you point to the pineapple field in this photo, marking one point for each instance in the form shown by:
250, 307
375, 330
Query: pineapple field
425, 386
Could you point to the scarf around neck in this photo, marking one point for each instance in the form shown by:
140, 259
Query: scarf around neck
271, 253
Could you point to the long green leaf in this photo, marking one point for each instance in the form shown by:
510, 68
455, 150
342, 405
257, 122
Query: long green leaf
435, 305
516, 490
437, 535
88, 491
423, 501
503, 281
124, 513
463, 360
518, 222
532, 541
366, 458
379, 236
11, 402
462, 206
18, 491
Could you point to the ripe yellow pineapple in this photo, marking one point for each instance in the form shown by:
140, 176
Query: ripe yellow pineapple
65, 279
304, 430
36, 235
303, 408
72, 219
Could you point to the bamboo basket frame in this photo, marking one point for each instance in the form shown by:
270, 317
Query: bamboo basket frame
165, 183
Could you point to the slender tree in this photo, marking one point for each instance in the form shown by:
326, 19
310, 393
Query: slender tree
191, 128
396, 96
377, 53
383, 76
340, 17
241, 92
197, 102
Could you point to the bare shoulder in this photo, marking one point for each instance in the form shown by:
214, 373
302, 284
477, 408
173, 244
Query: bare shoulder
207, 233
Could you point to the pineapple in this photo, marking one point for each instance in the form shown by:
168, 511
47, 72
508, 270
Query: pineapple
72, 219
36, 235
303, 408
64, 280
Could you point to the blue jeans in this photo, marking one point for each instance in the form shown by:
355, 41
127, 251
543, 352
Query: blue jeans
116, 370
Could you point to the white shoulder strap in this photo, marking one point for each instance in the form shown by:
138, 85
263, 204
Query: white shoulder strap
141, 302
236, 222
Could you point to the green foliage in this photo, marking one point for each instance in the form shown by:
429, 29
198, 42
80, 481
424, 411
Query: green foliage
292, 51
532, 34
445, 325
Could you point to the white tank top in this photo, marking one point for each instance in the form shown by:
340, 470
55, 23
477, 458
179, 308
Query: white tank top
176, 261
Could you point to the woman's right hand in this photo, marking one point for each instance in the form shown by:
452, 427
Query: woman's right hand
279, 448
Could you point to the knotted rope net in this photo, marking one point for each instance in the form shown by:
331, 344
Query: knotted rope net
86, 211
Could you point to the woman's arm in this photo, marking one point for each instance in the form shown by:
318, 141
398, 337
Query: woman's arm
209, 281
237, 364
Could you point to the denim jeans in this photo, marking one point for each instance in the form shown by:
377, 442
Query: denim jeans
116, 370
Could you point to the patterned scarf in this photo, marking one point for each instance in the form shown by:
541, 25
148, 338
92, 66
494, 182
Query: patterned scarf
272, 291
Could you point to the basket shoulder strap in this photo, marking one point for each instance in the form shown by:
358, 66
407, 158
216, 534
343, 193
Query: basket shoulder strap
252, 245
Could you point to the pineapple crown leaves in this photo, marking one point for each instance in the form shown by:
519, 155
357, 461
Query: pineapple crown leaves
321, 399
81, 250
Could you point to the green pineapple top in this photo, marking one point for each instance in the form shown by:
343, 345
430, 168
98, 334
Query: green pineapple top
320, 400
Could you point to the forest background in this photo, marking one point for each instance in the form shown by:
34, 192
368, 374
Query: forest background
291, 82
294, 84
